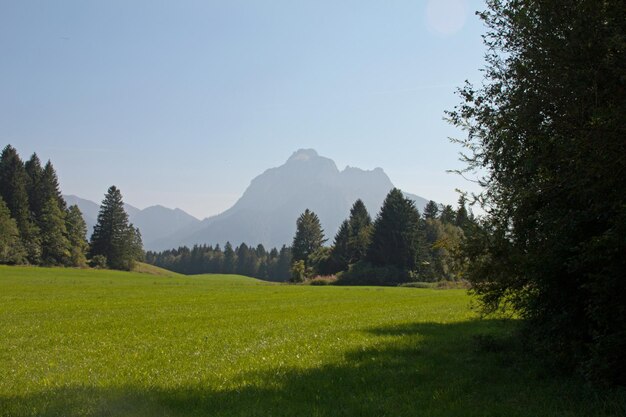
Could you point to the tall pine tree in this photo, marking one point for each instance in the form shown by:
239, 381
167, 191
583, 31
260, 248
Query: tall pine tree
309, 236
76, 232
113, 237
11, 250
359, 231
13, 189
396, 235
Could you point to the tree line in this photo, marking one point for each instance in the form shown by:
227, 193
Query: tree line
257, 262
400, 245
38, 228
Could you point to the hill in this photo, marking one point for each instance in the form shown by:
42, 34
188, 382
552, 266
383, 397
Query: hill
107, 343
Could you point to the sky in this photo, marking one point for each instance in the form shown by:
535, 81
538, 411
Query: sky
183, 103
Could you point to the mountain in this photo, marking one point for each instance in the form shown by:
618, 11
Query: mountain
155, 222
267, 211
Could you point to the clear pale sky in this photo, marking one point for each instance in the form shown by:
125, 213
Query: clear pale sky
182, 103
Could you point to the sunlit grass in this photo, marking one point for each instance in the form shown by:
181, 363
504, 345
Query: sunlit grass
83, 342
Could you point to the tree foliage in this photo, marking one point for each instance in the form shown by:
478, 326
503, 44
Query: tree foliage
548, 128
113, 237
200, 259
309, 236
395, 238
11, 251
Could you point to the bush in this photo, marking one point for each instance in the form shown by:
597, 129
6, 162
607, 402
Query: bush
98, 262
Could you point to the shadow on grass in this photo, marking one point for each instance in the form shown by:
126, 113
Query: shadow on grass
471, 368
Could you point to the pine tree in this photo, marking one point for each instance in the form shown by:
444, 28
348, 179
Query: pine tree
396, 235
76, 232
340, 255
447, 214
431, 211
36, 197
50, 186
13, 189
309, 236
359, 231
112, 236
230, 259
11, 250
55, 247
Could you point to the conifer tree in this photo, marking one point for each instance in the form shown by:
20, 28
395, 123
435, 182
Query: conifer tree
13, 189
340, 255
55, 247
11, 250
395, 239
76, 232
50, 186
431, 211
360, 226
309, 236
230, 259
36, 197
112, 236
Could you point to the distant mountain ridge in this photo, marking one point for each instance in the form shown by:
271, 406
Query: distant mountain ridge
154, 222
266, 213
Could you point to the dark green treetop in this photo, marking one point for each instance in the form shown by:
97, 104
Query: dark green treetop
360, 227
395, 239
309, 236
113, 237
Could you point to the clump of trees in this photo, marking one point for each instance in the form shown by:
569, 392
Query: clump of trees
37, 227
273, 265
548, 129
399, 246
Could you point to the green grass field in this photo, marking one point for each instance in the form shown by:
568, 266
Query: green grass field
103, 343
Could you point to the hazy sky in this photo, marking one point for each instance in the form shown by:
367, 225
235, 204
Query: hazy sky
182, 103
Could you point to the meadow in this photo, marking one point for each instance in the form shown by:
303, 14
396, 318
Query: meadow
104, 343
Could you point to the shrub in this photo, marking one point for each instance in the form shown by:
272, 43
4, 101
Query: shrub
98, 262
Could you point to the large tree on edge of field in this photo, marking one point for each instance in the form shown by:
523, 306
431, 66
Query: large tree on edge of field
548, 129
396, 234
13, 189
11, 250
359, 231
309, 237
113, 237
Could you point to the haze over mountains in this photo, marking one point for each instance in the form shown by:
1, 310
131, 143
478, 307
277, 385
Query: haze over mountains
267, 211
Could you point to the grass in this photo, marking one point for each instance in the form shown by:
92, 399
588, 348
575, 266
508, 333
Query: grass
104, 343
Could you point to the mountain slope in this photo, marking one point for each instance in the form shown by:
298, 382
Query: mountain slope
267, 211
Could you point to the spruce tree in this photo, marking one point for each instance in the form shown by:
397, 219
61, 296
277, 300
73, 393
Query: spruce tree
50, 185
396, 236
340, 255
13, 189
360, 227
309, 236
431, 211
112, 236
36, 196
55, 247
230, 259
76, 232
11, 250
